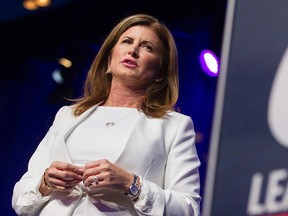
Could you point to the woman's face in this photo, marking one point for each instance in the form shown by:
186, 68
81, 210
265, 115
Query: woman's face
135, 60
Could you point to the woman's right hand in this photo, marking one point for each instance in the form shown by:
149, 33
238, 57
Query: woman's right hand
61, 176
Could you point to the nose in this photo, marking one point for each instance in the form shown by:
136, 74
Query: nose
133, 52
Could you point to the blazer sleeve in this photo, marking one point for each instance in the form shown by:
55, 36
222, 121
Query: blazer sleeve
26, 198
180, 194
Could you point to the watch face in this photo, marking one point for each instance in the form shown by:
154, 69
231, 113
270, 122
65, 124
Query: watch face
134, 190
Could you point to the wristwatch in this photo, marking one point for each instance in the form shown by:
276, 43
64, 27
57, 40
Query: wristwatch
134, 189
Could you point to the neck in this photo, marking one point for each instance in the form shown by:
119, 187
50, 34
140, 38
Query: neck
125, 95
125, 98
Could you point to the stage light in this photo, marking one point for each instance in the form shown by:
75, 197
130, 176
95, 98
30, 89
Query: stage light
57, 76
30, 5
65, 62
43, 3
209, 63
63, 76
35, 4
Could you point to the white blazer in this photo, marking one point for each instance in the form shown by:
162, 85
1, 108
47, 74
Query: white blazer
161, 151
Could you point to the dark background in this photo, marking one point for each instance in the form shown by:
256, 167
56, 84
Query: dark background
32, 42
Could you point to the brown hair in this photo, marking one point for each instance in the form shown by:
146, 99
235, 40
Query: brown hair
160, 97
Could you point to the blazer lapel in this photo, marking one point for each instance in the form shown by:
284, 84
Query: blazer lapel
59, 148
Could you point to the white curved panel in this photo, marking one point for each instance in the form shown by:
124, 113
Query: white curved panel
278, 103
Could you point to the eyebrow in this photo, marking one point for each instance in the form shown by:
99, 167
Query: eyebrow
154, 44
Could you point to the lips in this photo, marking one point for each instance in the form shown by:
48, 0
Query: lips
129, 63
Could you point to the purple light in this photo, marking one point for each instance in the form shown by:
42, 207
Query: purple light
209, 63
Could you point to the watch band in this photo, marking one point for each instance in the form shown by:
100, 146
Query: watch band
135, 177
134, 189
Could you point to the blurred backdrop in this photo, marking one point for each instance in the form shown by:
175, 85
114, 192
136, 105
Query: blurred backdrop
47, 47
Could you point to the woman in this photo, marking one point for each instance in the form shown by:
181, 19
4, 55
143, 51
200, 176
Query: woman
121, 149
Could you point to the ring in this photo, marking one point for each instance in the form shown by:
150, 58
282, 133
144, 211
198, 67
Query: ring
95, 180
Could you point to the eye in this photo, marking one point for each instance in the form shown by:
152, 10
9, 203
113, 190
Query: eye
148, 47
127, 41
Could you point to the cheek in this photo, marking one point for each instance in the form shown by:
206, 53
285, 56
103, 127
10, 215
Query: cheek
154, 69
116, 55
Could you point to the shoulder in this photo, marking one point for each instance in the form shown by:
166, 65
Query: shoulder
178, 117
64, 114
176, 121
179, 127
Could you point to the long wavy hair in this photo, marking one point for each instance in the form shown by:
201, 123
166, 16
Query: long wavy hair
160, 97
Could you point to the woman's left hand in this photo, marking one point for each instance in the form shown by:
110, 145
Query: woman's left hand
103, 173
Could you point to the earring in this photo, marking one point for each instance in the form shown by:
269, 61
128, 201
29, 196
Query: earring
158, 80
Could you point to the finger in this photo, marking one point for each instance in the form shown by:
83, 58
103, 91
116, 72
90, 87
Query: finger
64, 175
92, 181
63, 184
91, 172
60, 174
95, 167
92, 168
59, 188
94, 164
67, 167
